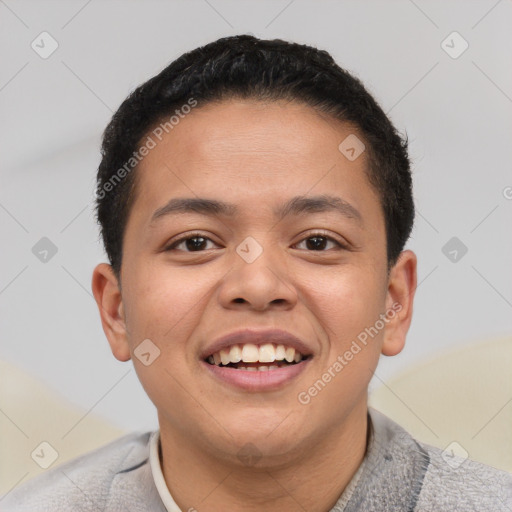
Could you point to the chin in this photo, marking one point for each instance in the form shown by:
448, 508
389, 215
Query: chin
268, 443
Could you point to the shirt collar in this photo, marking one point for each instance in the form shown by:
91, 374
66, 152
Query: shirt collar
158, 477
375, 483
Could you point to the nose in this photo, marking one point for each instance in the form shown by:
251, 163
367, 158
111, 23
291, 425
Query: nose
259, 285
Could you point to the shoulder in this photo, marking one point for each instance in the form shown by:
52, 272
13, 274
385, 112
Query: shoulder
84, 483
457, 483
443, 480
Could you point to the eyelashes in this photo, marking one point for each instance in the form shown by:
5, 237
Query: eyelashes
204, 239
185, 239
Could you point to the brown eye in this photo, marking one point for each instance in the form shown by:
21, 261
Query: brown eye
193, 243
318, 242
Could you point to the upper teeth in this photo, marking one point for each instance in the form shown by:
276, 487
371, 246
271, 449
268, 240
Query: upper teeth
250, 353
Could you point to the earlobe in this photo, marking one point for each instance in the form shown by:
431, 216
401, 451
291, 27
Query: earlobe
108, 298
399, 303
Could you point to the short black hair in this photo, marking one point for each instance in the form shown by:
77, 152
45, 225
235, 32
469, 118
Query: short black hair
246, 67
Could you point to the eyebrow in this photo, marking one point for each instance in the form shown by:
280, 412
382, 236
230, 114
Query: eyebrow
295, 206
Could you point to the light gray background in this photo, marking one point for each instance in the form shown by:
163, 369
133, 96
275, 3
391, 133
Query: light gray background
457, 113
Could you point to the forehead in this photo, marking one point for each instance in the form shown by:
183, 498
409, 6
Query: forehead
251, 152
249, 130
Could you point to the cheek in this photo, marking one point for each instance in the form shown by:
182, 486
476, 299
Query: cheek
165, 301
346, 300
166, 306
347, 304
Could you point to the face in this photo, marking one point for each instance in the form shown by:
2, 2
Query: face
298, 246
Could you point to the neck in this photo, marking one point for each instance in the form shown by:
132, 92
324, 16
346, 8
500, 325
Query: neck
313, 480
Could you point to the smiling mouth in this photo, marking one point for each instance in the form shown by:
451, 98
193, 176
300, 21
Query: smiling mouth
250, 357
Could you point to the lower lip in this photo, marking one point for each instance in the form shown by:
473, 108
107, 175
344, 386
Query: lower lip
259, 380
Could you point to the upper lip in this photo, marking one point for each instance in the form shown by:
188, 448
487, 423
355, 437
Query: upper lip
256, 337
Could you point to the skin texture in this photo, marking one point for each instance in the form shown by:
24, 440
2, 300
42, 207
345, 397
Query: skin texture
256, 155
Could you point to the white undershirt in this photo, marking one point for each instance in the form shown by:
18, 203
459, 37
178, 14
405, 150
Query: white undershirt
158, 477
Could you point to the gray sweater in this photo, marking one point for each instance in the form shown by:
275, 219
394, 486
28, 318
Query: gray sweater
398, 474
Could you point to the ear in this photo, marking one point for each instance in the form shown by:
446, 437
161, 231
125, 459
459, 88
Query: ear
108, 297
399, 301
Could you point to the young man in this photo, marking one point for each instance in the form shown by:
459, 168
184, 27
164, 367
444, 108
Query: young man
254, 203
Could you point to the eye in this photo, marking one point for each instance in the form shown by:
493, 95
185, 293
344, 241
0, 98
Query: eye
198, 243
193, 243
318, 242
